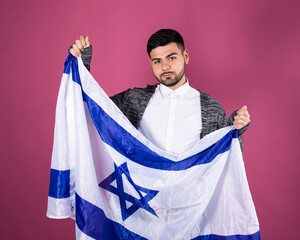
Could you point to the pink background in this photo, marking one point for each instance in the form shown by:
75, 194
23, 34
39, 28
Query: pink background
241, 52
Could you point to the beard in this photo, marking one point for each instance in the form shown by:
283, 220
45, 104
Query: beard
171, 80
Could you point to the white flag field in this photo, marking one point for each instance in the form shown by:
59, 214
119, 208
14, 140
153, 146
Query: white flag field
117, 185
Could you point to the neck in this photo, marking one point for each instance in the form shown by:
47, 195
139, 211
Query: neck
179, 84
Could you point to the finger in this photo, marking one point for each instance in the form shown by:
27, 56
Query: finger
238, 127
79, 44
242, 109
76, 49
245, 119
242, 117
240, 123
72, 51
87, 41
243, 113
82, 40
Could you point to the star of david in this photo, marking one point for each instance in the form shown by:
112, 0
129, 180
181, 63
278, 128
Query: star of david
145, 195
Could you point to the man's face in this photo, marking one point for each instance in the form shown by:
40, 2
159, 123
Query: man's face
168, 65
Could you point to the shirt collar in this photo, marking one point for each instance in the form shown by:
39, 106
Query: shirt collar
180, 92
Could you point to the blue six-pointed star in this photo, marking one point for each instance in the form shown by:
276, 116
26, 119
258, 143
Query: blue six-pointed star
123, 196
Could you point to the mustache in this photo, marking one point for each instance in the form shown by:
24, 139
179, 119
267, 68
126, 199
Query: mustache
166, 73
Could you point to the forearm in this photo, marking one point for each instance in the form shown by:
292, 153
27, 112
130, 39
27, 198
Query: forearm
87, 57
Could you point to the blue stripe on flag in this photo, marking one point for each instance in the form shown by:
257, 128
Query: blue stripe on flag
68, 63
118, 138
92, 221
59, 184
75, 72
254, 236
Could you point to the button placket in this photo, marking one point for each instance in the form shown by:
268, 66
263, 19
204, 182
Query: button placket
171, 118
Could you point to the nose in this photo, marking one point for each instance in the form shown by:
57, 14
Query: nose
165, 66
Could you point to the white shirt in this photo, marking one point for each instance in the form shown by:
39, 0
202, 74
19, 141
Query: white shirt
172, 119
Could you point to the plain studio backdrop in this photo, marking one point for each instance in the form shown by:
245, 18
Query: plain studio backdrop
241, 52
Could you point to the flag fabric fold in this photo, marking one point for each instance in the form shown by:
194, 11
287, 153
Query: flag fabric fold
117, 185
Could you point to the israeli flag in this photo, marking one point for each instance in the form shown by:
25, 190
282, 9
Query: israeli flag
117, 185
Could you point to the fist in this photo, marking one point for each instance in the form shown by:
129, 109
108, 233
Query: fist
79, 45
242, 118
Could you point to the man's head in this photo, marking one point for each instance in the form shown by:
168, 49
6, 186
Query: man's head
163, 37
168, 57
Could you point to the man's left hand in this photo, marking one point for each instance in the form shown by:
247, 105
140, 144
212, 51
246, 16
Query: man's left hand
242, 118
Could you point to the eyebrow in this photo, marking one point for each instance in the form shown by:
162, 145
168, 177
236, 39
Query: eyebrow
169, 55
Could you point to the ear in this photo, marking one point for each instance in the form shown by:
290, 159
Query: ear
186, 56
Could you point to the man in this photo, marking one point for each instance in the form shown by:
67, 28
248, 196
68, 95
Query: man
172, 115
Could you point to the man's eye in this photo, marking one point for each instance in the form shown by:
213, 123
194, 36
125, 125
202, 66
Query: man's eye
172, 58
156, 62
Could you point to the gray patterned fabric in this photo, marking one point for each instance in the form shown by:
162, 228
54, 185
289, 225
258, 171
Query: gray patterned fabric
86, 57
133, 103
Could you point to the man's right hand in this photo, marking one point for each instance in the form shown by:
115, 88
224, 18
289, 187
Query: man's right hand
79, 45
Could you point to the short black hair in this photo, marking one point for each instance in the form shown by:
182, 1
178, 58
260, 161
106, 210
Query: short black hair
163, 37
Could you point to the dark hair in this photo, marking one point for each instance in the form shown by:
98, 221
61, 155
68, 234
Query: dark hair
163, 37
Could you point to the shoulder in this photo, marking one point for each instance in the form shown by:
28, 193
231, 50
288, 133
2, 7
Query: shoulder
133, 96
136, 92
133, 102
139, 91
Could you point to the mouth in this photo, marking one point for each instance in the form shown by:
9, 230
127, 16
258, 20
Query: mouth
167, 74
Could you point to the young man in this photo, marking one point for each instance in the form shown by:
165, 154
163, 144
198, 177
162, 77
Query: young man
172, 114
